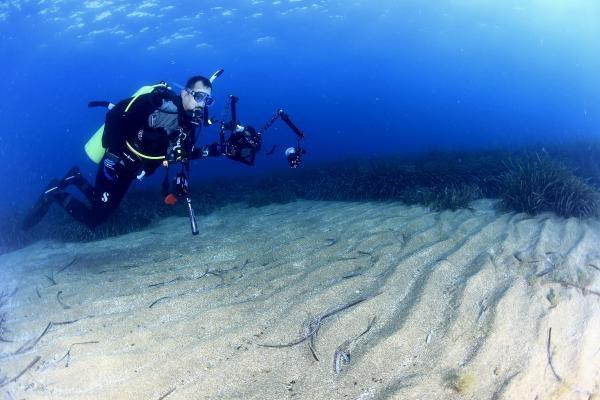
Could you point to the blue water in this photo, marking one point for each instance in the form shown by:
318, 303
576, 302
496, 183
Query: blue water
359, 77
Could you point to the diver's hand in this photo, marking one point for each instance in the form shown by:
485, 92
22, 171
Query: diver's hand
211, 150
176, 154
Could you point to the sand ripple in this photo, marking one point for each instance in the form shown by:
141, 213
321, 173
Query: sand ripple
462, 304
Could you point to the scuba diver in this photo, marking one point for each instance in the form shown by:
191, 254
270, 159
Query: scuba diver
140, 134
154, 127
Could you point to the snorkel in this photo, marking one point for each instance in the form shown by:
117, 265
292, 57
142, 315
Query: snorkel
217, 74
205, 117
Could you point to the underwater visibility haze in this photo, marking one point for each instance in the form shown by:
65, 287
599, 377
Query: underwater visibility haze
440, 232
363, 77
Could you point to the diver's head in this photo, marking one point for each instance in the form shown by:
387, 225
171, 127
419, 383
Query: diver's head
197, 94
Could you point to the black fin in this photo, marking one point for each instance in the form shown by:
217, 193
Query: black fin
41, 206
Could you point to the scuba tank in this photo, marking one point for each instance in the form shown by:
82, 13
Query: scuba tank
93, 147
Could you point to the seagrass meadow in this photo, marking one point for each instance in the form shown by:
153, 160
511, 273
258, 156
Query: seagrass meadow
562, 180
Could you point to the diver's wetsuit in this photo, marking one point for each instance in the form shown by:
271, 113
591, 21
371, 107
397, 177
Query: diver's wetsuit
151, 126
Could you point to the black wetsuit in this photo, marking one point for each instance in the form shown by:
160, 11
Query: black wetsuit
151, 126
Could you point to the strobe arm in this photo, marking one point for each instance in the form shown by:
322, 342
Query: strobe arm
232, 124
293, 154
286, 118
233, 104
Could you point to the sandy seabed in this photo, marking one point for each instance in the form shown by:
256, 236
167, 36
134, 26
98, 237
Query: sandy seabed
357, 300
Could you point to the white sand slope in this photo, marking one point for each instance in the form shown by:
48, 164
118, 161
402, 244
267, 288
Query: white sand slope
460, 305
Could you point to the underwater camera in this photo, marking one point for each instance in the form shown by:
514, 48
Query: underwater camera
244, 141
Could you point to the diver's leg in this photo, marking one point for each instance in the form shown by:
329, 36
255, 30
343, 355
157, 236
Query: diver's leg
74, 177
78, 210
112, 182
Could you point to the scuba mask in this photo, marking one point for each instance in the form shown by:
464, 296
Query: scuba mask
200, 97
